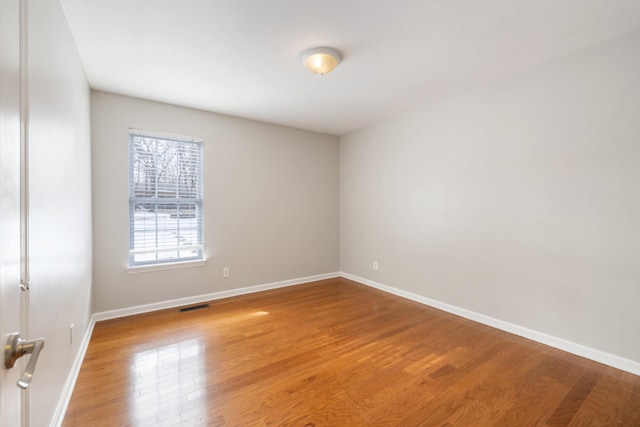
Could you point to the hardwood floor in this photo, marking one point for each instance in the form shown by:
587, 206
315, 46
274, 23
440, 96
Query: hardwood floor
336, 353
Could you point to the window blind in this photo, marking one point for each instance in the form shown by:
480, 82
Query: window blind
165, 198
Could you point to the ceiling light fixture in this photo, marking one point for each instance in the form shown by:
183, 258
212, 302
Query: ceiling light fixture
321, 60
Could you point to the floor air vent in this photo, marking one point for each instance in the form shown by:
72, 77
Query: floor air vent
194, 307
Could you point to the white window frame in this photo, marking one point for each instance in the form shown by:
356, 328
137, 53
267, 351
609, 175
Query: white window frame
158, 238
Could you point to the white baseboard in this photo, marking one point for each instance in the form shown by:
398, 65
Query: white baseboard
559, 343
146, 308
67, 391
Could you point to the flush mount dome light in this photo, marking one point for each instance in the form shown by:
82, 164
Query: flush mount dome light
321, 60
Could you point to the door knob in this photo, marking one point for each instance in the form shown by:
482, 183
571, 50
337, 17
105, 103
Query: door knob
15, 348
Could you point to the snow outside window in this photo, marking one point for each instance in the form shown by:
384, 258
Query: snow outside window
165, 198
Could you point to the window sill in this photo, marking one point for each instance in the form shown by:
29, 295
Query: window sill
165, 266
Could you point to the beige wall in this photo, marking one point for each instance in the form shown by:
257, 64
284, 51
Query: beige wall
60, 202
519, 201
271, 202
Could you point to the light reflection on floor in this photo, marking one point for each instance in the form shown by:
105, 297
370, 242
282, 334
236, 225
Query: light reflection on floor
169, 385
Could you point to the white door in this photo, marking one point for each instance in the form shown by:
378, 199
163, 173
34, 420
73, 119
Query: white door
10, 211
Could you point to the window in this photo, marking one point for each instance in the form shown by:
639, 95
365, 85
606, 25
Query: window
165, 198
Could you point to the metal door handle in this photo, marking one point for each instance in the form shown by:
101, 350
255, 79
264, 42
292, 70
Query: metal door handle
15, 348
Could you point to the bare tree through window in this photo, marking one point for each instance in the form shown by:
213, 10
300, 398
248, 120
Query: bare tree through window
165, 198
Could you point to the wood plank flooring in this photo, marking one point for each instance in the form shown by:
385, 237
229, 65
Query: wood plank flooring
336, 353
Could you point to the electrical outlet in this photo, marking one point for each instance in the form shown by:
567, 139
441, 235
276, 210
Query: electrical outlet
375, 265
71, 334
225, 272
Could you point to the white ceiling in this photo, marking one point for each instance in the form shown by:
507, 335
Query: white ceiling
241, 57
